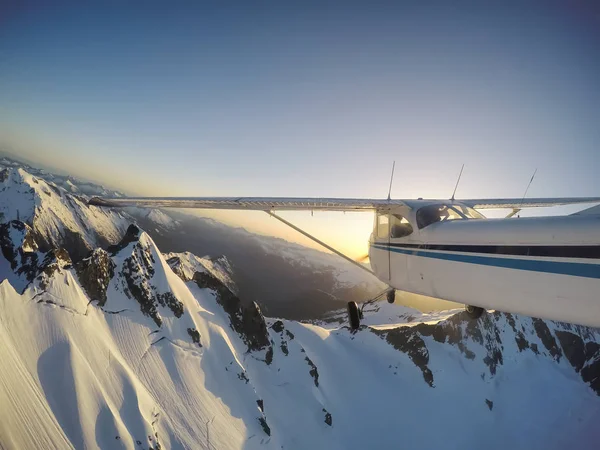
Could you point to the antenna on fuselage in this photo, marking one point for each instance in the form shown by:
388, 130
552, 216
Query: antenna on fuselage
457, 181
391, 181
527, 189
390, 224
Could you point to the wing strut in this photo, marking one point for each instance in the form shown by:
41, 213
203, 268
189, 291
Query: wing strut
514, 211
320, 242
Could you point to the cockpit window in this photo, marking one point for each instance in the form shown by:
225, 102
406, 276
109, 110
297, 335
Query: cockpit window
469, 213
440, 213
400, 227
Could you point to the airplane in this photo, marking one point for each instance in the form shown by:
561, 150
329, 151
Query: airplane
547, 267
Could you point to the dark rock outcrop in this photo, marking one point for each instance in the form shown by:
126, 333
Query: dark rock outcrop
578, 344
408, 340
176, 265
457, 330
277, 326
54, 261
19, 247
245, 317
328, 418
314, 372
573, 348
269, 356
583, 356
195, 335
547, 339
265, 426
94, 273
131, 235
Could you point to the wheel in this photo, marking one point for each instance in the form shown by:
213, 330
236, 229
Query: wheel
474, 312
353, 315
391, 296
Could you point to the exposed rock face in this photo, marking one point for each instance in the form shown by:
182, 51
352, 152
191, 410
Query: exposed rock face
490, 333
278, 326
4, 175
186, 264
137, 271
131, 235
94, 273
19, 248
246, 318
408, 341
314, 372
458, 330
328, 418
548, 340
265, 427
583, 356
177, 267
195, 335
75, 244
55, 261
16, 237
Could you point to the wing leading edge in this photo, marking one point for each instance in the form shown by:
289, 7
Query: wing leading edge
250, 203
519, 203
322, 204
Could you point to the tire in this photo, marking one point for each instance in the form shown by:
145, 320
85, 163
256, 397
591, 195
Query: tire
391, 296
353, 315
474, 312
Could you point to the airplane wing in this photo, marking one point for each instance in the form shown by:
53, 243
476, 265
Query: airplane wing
519, 203
250, 203
322, 204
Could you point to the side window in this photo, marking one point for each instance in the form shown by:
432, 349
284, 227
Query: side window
383, 226
400, 227
436, 213
427, 215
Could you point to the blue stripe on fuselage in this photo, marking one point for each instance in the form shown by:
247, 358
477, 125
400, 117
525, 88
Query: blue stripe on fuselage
535, 265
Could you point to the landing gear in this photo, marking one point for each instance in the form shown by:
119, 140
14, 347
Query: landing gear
353, 315
474, 312
391, 296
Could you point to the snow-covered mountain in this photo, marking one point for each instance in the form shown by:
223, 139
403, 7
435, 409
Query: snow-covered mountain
130, 348
56, 216
70, 183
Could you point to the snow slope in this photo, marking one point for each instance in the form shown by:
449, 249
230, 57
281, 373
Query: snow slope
119, 351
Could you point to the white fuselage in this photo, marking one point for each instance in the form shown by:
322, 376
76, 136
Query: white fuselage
546, 267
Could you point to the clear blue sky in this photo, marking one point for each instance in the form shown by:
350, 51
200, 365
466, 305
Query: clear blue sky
308, 98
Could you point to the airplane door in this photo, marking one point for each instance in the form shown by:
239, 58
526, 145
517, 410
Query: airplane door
380, 257
400, 231
389, 259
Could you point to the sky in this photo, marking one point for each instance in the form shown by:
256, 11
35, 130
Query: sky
307, 99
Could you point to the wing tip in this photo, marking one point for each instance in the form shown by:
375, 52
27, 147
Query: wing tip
97, 201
